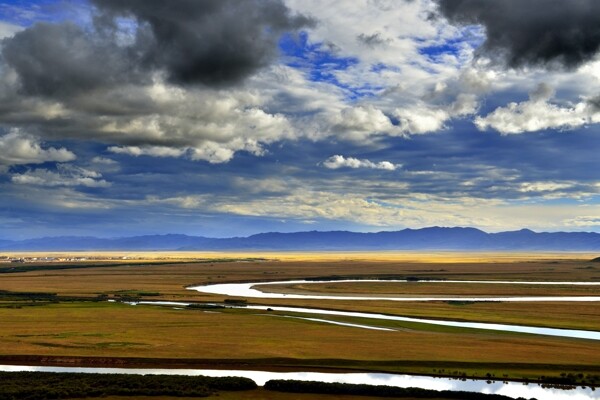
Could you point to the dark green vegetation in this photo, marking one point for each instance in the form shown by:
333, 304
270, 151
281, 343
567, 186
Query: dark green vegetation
389, 277
292, 386
12, 269
44, 385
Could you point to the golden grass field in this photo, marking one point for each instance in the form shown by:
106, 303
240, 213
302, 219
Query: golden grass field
115, 331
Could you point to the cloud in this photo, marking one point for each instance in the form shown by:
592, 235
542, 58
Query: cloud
357, 123
414, 210
63, 59
17, 148
8, 30
65, 175
373, 40
184, 82
544, 186
153, 151
150, 80
418, 120
212, 42
337, 161
538, 114
104, 161
534, 32
211, 152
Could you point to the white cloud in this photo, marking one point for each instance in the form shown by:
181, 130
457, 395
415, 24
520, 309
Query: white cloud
360, 122
418, 120
153, 151
416, 210
103, 161
214, 153
191, 201
8, 30
343, 24
337, 161
65, 175
584, 221
538, 114
17, 148
527, 187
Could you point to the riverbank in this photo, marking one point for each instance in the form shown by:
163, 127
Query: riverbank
562, 375
39, 383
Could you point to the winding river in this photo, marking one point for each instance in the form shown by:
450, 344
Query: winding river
250, 289
511, 389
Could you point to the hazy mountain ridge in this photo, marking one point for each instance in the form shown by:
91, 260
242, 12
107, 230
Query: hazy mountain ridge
433, 238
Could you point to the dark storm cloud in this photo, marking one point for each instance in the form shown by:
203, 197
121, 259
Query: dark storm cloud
63, 59
212, 42
595, 103
532, 32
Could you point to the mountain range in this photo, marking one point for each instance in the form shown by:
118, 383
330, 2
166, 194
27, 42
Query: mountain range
433, 238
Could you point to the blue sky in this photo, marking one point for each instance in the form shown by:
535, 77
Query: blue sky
227, 119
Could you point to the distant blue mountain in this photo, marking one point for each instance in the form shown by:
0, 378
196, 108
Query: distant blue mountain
434, 238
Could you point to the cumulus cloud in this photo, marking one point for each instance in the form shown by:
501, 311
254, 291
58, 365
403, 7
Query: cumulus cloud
533, 32
17, 148
337, 161
538, 113
418, 120
360, 122
65, 175
211, 152
145, 79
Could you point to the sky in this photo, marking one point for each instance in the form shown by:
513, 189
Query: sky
227, 118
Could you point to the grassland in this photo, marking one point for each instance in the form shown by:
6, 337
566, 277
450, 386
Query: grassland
416, 289
101, 333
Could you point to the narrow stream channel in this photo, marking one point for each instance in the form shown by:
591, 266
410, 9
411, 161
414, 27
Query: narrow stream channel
511, 389
249, 289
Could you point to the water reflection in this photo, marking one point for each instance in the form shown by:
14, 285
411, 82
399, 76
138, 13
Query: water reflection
534, 330
250, 289
511, 389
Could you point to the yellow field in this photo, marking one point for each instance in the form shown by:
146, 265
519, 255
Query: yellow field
163, 335
408, 256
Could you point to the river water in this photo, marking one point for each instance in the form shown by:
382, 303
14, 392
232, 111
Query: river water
250, 289
511, 389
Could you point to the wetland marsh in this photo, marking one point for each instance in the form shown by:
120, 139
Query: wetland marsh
82, 319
